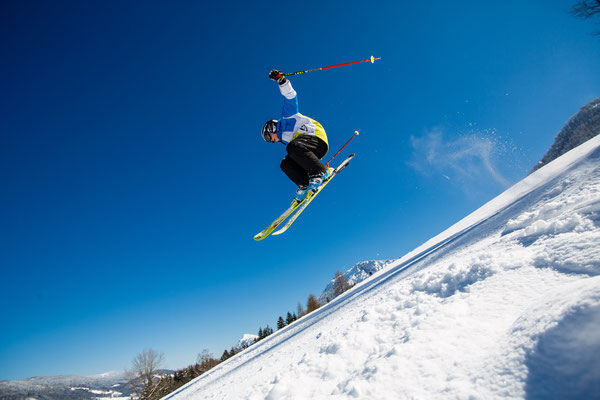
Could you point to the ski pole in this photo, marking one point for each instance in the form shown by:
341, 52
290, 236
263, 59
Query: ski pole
338, 152
372, 59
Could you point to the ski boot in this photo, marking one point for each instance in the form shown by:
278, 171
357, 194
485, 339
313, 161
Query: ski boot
317, 180
301, 193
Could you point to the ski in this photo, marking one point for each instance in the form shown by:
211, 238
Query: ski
267, 231
311, 196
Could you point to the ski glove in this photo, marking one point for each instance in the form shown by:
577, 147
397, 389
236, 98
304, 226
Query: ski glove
277, 76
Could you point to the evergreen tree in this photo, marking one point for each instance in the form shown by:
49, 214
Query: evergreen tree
267, 331
289, 318
261, 334
225, 355
280, 323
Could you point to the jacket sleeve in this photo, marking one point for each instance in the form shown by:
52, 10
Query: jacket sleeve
290, 100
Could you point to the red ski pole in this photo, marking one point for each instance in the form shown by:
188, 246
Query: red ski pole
372, 59
338, 152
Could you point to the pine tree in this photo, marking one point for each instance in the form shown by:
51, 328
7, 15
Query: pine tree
225, 355
261, 334
289, 318
280, 323
268, 330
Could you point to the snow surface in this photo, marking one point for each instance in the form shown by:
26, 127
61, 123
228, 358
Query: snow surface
505, 304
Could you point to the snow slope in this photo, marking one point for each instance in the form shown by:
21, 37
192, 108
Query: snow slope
503, 304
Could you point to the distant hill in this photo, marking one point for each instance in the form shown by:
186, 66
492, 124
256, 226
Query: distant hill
111, 385
580, 128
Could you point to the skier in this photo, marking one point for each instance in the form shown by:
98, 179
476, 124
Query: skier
305, 140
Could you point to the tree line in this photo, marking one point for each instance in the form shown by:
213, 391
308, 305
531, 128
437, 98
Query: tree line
148, 384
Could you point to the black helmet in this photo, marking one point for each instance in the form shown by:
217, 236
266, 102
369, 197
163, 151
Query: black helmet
269, 127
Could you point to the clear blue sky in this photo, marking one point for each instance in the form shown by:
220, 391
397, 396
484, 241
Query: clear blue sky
134, 176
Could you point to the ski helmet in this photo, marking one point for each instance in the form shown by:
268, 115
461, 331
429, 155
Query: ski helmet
269, 127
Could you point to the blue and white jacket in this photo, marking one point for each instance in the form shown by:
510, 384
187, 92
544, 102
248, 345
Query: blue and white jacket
293, 124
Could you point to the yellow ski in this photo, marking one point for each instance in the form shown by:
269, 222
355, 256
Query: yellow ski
267, 231
311, 196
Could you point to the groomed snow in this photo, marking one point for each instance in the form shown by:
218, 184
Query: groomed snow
504, 304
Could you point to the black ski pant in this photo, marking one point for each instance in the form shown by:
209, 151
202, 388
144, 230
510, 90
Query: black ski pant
303, 159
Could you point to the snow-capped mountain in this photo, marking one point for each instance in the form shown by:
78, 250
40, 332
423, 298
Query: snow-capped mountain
247, 340
358, 273
505, 304
111, 385
579, 128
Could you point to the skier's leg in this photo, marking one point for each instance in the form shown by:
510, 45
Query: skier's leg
306, 151
294, 171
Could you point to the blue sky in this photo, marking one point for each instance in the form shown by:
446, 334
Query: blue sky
134, 176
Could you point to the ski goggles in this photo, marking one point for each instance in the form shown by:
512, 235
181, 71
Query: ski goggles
267, 137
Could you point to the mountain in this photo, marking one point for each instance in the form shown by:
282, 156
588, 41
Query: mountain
247, 340
581, 127
505, 304
112, 385
358, 273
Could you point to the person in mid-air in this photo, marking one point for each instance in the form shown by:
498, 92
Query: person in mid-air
305, 140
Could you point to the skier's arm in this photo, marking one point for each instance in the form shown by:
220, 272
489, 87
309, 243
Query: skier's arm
290, 101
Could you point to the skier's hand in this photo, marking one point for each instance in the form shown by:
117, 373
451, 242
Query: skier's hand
277, 76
